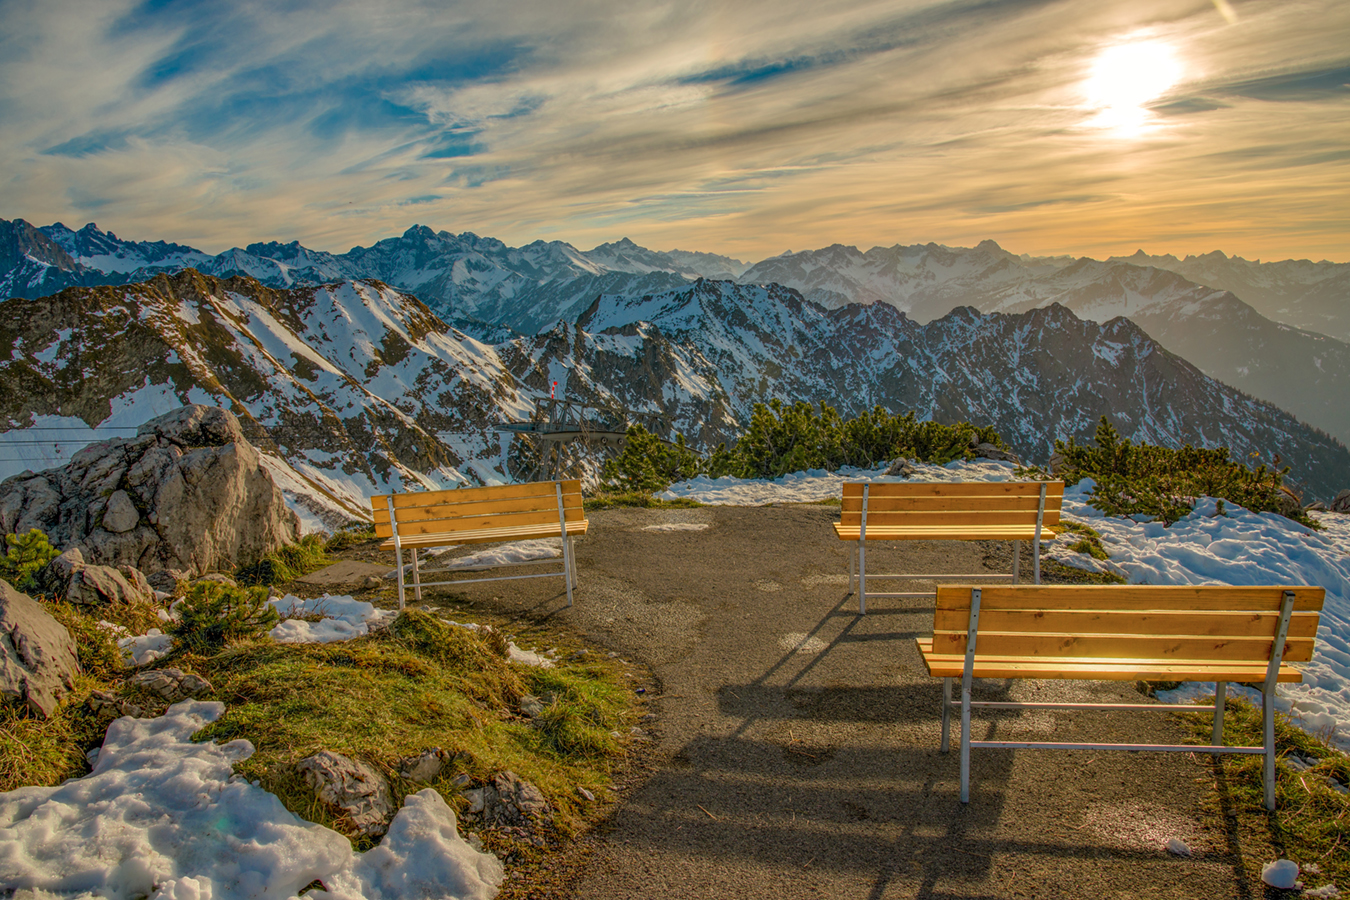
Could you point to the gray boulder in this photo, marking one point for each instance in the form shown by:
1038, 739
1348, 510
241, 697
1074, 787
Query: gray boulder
187, 494
425, 767
1342, 502
37, 656
356, 790
171, 684
509, 800
901, 467
989, 451
69, 576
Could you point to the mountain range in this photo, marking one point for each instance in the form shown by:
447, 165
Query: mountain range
357, 387
1273, 330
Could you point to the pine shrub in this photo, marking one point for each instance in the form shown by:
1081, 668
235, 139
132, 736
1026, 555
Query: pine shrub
213, 615
781, 439
26, 554
1165, 483
647, 464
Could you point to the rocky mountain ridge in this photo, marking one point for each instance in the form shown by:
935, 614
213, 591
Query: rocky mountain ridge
489, 290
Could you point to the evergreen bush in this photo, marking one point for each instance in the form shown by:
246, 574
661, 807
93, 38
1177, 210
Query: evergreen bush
647, 464
26, 554
781, 439
214, 614
1165, 483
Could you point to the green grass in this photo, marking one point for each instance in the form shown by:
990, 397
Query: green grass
420, 685
635, 499
1311, 822
287, 563
1089, 541
349, 536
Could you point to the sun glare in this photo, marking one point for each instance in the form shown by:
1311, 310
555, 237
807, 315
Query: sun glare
1125, 79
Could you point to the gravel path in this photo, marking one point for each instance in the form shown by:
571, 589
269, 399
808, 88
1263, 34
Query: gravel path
797, 742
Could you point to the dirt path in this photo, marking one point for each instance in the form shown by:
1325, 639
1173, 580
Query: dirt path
797, 742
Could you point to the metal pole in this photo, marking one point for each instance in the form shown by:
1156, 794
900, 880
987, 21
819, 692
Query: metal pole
398, 548
1036, 555
1017, 559
1220, 697
862, 555
946, 713
1268, 695
967, 676
567, 557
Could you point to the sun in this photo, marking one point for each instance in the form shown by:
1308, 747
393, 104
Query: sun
1125, 78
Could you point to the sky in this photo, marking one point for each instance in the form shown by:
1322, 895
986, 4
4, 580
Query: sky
747, 128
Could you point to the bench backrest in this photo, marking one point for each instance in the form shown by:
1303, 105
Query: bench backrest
473, 509
952, 503
1217, 623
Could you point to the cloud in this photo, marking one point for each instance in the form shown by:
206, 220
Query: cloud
741, 128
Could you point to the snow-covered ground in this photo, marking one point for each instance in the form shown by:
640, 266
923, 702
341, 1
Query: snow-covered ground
164, 818
1235, 547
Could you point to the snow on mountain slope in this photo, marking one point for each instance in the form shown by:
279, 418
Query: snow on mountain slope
1298, 292
106, 252
1034, 376
348, 384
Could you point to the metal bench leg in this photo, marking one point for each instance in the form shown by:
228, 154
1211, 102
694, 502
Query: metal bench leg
1017, 560
569, 575
1036, 560
967, 678
1220, 696
852, 569
1268, 723
946, 714
965, 740
862, 578
572, 553
417, 578
398, 556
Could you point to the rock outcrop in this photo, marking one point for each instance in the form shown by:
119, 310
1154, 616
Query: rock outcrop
187, 494
355, 789
37, 654
70, 577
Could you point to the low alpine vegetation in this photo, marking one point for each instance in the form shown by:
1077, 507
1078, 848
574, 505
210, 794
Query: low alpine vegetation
25, 554
782, 438
1143, 479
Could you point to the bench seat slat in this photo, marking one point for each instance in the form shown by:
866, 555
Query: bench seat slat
945, 533
942, 665
1120, 646
483, 536
945, 518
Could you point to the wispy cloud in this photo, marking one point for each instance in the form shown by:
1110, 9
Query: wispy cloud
745, 128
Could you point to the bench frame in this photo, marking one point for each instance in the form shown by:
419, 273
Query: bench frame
1273, 674
857, 560
400, 541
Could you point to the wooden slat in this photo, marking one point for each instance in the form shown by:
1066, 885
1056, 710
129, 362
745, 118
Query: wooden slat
480, 507
937, 533
1131, 597
954, 489
486, 536
1213, 623
1119, 646
537, 520
946, 667
462, 495
932, 518
953, 504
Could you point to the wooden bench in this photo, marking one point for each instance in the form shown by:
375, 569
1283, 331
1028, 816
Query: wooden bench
949, 511
483, 515
1250, 635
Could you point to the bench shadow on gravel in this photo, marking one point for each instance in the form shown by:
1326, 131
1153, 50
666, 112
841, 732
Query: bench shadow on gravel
890, 814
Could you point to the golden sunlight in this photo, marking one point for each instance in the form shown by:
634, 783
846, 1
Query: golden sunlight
1125, 78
